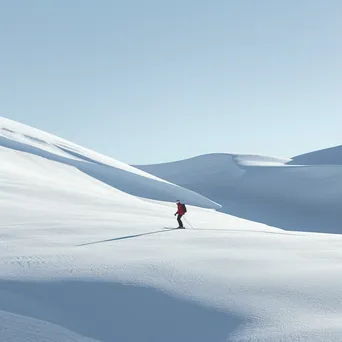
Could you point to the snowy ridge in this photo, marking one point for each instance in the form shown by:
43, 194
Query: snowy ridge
114, 173
82, 260
215, 169
257, 160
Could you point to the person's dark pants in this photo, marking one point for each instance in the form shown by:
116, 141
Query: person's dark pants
180, 221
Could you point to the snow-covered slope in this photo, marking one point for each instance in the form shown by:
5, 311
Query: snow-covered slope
264, 189
81, 260
328, 156
114, 173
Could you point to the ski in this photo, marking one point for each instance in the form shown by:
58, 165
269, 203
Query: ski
173, 228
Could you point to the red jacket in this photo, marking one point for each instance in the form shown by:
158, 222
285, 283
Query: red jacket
180, 210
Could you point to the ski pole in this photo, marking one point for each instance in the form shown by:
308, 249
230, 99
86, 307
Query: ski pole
188, 223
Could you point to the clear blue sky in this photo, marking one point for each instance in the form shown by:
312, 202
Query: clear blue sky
151, 80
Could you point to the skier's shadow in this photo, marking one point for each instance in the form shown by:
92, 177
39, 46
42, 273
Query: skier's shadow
126, 237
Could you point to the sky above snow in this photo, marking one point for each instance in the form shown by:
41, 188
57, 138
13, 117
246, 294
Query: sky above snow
153, 81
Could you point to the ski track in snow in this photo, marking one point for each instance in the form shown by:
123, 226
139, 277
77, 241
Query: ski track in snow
83, 261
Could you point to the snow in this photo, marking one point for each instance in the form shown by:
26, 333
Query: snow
83, 260
274, 191
119, 175
328, 156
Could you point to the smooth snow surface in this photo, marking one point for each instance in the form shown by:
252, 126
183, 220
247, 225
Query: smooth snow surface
107, 170
268, 190
328, 156
83, 260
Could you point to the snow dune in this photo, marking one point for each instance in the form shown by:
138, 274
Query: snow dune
83, 260
107, 170
264, 189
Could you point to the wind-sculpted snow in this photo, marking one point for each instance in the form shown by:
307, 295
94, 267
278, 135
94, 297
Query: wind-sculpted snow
264, 189
106, 170
84, 261
209, 174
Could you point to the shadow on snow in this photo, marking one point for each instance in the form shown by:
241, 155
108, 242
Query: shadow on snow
126, 237
129, 182
109, 311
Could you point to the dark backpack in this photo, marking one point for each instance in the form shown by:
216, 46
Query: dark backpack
184, 207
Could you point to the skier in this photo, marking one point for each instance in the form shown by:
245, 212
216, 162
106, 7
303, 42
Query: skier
181, 210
